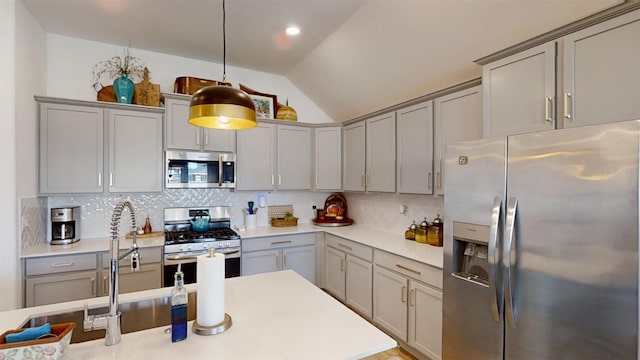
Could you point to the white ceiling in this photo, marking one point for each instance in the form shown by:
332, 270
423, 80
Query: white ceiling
352, 58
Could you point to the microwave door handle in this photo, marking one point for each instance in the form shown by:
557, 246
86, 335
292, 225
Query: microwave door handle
494, 260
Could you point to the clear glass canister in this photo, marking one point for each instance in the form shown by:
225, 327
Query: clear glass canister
410, 233
434, 236
421, 232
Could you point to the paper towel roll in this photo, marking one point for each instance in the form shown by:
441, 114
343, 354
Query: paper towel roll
210, 290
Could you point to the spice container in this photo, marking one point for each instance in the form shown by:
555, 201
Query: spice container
434, 236
410, 233
421, 232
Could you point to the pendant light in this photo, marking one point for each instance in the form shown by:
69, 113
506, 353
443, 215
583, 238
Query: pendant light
220, 106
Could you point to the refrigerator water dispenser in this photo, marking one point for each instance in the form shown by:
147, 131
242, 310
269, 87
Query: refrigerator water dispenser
470, 253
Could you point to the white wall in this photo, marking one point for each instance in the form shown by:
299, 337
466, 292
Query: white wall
9, 296
70, 63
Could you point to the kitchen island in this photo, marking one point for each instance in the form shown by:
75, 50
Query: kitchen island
275, 315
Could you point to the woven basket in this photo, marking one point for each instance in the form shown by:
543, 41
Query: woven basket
284, 222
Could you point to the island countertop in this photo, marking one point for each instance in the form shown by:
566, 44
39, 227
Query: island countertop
275, 315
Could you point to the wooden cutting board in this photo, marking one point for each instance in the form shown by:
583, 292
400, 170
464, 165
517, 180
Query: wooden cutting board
151, 234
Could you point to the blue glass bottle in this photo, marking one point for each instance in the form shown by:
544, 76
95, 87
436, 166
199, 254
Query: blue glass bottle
179, 300
123, 87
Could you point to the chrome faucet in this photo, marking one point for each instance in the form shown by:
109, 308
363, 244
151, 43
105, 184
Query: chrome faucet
111, 320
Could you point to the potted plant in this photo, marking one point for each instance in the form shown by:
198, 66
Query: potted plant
122, 70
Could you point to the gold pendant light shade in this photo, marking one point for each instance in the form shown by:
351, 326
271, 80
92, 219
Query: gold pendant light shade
222, 107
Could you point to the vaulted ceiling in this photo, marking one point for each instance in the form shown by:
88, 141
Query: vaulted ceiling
352, 58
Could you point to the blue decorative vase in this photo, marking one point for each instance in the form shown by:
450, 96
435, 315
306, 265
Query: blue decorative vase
123, 87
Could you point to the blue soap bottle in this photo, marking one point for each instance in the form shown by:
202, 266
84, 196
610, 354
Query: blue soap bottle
179, 308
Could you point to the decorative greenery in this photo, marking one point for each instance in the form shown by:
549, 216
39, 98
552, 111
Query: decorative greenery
114, 67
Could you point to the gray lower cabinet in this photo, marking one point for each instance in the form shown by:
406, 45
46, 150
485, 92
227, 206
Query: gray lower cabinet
88, 147
54, 279
407, 302
295, 252
348, 273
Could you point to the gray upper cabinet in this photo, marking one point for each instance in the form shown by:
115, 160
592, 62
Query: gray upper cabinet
353, 163
519, 92
601, 79
294, 158
113, 147
327, 158
381, 153
71, 149
415, 149
274, 157
457, 117
256, 155
369, 154
135, 151
181, 135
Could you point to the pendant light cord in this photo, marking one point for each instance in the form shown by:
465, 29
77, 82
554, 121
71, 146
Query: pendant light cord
224, 43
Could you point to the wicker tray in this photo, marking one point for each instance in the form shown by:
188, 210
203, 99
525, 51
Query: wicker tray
284, 222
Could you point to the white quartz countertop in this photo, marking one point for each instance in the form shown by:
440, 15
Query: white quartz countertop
376, 238
275, 315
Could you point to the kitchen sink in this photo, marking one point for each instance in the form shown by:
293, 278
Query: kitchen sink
136, 316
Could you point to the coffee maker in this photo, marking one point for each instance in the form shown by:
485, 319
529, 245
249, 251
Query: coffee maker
65, 225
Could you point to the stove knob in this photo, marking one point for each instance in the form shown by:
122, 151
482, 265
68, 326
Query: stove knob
204, 246
189, 248
181, 248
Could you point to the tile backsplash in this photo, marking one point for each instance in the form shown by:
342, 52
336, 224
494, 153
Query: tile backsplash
377, 210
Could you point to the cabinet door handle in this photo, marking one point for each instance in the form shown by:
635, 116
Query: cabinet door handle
342, 265
403, 294
281, 242
547, 109
438, 180
105, 287
366, 183
99, 179
412, 294
284, 261
429, 179
277, 262
93, 286
206, 138
362, 180
56, 265
111, 179
197, 137
273, 180
408, 269
567, 103
316, 180
279, 179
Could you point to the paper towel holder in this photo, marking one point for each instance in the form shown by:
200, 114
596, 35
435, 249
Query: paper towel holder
212, 330
215, 329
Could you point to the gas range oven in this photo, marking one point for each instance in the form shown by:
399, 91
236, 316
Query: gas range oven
182, 244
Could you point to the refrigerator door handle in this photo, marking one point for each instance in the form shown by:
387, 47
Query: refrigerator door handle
509, 262
494, 259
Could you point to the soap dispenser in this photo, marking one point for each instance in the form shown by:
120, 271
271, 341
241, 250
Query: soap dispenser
179, 308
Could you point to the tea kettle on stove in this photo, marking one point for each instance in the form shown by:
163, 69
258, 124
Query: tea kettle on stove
199, 224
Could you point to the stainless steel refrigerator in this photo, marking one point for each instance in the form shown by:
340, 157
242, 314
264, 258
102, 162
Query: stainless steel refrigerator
541, 245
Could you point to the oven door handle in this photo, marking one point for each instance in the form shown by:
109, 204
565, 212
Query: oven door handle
229, 252
177, 259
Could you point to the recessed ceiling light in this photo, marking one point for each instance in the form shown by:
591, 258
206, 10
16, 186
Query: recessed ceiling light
292, 30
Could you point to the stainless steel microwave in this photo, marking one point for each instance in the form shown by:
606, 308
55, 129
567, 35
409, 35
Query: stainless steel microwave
200, 170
